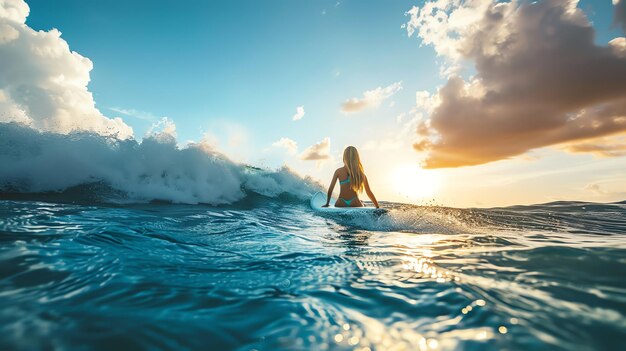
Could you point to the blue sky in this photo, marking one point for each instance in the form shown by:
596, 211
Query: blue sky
251, 62
201, 62
239, 69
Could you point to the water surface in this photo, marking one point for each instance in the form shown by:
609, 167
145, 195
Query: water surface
270, 274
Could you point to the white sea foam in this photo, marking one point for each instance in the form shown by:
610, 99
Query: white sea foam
402, 217
153, 169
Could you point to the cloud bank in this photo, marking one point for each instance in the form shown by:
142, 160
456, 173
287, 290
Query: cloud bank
317, 152
540, 80
299, 113
371, 98
43, 84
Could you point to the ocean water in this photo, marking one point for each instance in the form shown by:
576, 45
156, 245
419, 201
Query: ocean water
269, 274
119, 245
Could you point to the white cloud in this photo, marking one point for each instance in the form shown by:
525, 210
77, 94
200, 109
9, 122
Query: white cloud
43, 83
8, 33
290, 145
299, 113
426, 101
146, 116
14, 10
317, 152
371, 98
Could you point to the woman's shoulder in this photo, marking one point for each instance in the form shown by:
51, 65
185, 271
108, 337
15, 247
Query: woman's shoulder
340, 170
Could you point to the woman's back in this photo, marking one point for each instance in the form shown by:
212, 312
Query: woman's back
347, 195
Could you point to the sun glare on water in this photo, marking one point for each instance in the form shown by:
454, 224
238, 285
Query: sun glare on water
415, 183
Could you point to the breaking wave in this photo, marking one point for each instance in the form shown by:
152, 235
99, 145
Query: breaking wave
110, 169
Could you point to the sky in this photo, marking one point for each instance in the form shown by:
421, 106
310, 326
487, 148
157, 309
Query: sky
446, 105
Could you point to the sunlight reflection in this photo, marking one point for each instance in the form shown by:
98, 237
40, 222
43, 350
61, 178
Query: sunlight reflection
416, 265
365, 333
425, 268
368, 334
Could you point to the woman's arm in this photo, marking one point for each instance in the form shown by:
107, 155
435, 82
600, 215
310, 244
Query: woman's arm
369, 193
330, 189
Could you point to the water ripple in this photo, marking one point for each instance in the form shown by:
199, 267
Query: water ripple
546, 277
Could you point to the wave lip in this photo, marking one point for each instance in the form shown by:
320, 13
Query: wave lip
153, 169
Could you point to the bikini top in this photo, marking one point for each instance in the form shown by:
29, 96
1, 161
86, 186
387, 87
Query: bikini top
345, 181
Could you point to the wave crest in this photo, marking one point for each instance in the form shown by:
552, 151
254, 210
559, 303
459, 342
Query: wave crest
153, 169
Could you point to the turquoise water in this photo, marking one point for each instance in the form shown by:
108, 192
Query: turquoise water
269, 274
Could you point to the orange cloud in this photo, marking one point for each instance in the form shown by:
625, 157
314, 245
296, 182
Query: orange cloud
605, 147
540, 80
317, 152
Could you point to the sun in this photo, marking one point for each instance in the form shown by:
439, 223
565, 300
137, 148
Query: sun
415, 183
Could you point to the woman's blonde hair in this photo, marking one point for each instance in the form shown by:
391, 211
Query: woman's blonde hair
355, 169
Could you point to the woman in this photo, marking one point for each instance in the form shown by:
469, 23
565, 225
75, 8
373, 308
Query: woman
352, 181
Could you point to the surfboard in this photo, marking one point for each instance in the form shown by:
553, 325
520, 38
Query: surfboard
319, 199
